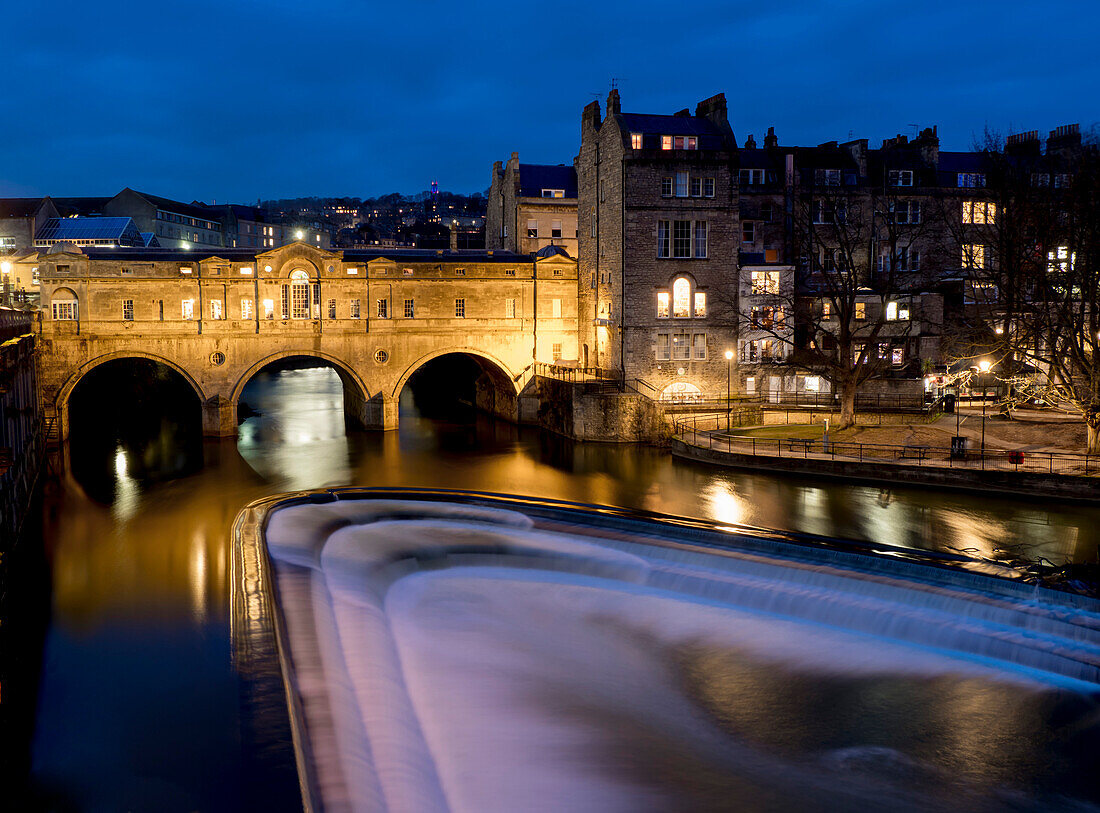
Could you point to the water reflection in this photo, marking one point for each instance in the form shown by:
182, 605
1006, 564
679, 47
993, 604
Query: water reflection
137, 652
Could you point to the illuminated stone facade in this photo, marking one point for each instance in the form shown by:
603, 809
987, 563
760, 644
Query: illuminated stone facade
377, 317
660, 234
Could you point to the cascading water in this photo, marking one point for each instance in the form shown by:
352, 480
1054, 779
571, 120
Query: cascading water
462, 657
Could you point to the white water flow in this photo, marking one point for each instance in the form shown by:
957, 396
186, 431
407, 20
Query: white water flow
451, 657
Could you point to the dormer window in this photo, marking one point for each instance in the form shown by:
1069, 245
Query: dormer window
635, 141
827, 177
900, 177
553, 193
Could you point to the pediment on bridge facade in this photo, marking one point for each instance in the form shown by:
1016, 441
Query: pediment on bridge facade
283, 258
300, 249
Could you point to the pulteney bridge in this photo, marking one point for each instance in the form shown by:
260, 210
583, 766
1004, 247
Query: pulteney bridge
218, 317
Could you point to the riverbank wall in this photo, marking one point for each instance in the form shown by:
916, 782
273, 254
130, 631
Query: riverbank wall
583, 412
1030, 484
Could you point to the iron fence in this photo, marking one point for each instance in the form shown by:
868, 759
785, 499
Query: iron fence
709, 432
14, 323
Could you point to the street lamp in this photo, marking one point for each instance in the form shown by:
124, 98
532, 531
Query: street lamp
983, 365
729, 362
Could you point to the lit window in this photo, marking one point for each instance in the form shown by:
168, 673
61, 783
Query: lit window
352, 272
826, 310
407, 272
979, 212
460, 308
353, 310
553, 193
861, 310
1061, 259
973, 256
700, 305
681, 298
636, 141
184, 269
897, 355
662, 305
36, 279
299, 295
246, 308
666, 142
812, 383
269, 309
764, 282
383, 309
891, 311
128, 310
246, 270
216, 311
188, 309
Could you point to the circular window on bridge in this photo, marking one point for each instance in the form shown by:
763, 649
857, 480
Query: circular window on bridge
217, 359
381, 356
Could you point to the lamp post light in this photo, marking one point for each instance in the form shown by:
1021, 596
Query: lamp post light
983, 365
729, 362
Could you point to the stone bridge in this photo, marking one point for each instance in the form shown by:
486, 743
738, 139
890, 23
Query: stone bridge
375, 316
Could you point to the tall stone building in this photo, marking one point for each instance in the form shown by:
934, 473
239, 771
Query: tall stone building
532, 206
660, 235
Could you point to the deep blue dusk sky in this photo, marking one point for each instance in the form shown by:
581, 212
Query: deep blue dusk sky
236, 100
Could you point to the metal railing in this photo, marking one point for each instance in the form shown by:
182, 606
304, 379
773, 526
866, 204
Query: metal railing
579, 374
15, 323
864, 402
709, 432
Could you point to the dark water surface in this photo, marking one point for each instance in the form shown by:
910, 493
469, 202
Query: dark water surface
137, 705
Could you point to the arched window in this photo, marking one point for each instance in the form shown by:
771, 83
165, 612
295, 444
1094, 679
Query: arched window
64, 305
299, 295
681, 297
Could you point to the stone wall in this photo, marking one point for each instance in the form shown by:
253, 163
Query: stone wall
375, 354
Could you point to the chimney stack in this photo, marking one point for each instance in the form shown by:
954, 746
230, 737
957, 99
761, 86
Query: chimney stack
750, 143
771, 141
613, 102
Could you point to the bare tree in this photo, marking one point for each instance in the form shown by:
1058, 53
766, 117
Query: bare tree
859, 264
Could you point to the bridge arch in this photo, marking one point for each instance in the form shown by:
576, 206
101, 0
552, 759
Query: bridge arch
359, 408
495, 367
61, 401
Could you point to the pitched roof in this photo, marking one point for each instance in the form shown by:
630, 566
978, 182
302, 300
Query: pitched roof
669, 125
533, 178
67, 207
19, 207
179, 207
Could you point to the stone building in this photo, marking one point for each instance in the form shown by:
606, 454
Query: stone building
658, 256
218, 317
532, 206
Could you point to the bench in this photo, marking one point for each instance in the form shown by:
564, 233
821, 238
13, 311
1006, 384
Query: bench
918, 452
800, 444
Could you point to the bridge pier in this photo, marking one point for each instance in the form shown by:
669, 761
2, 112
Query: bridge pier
219, 417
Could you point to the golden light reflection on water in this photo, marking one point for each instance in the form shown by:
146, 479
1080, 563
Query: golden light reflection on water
159, 548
